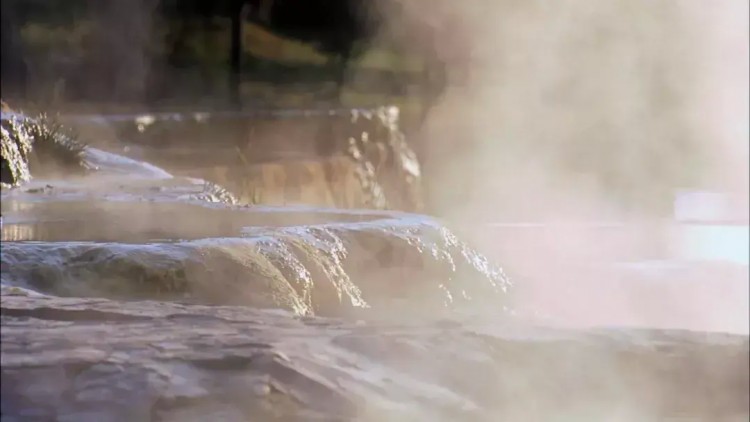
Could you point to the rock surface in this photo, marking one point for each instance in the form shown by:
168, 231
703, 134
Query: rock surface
355, 158
313, 262
37, 146
100, 360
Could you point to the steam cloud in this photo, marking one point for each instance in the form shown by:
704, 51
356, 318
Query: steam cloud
589, 111
577, 111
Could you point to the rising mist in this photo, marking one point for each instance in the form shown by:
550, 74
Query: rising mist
589, 112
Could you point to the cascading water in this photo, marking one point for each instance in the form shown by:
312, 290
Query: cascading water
226, 254
132, 294
339, 158
315, 268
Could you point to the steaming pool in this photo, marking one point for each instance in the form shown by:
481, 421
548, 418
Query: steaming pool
133, 294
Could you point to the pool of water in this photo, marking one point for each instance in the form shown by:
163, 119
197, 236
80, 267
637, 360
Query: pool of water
712, 242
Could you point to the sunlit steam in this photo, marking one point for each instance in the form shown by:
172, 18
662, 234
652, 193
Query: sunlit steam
557, 147
586, 112
570, 103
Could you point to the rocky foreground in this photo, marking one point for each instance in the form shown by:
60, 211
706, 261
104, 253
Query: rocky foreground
70, 359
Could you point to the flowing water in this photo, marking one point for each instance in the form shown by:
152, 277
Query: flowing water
226, 311
131, 230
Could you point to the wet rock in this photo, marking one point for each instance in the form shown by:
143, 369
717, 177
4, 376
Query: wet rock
39, 146
360, 160
162, 361
389, 169
344, 158
308, 262
42, 148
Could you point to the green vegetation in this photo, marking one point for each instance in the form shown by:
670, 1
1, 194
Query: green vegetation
189, 61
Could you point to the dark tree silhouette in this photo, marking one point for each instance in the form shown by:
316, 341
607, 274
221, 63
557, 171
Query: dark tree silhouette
13, 69
340, 28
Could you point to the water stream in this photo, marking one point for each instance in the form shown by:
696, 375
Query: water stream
230, 311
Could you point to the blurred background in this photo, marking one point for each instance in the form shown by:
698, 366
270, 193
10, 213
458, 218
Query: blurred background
597, 108
167, 54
